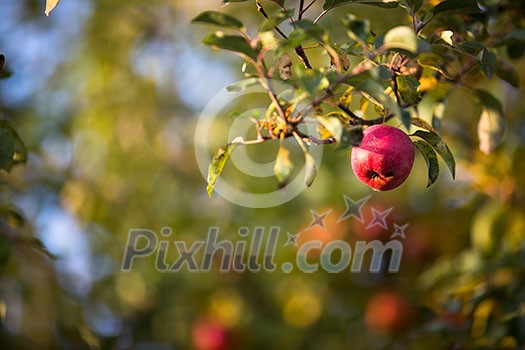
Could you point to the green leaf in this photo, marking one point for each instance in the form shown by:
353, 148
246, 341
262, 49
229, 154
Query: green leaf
517, 36
311, 80
35, 243
405, 118
12, 148
304, 30
329, 4
491, 125
50, 6
401, 37
412, 5
488, 63
243, 84
233, 43
431, 159
219, 19
283, 166
7, 150
506, 71
457, 7
374, 91
350, 137
408, 87
357, 29
4, 72
432, 61
216, 166
441, 147
421, 123
274, 20
311, 170
472, 48
333, 125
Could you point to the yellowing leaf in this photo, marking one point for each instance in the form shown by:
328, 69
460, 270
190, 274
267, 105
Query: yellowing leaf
50, 5
217, 163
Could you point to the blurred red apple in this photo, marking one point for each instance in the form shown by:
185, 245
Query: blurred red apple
332, 230
208, 335
384, 158
389, 312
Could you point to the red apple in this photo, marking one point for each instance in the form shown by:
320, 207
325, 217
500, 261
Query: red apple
384, 158
208, 335
389, 312
332, 230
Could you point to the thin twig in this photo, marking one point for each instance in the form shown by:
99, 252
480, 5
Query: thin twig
301, 6
321, 15
306, 8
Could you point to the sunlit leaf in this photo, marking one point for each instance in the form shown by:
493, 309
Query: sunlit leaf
457, 6
233, 43
50, 6
219, 19
283, 166
333, 125
401, 37
441, 147
216, 166
491, 125
431, 159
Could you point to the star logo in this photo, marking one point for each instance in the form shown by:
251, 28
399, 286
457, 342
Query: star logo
292, 239
379, 218
354, 208
318, 220
399, 231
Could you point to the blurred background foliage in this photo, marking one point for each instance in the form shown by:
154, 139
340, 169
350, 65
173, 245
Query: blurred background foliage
106, 95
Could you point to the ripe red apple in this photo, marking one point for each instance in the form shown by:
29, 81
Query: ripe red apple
384, 158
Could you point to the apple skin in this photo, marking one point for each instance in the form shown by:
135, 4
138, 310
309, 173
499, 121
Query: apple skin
384, 158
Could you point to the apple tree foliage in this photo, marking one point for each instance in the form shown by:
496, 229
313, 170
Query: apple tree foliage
439, 47
12, 152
